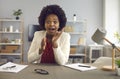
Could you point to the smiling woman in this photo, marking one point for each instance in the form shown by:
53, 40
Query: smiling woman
51, 45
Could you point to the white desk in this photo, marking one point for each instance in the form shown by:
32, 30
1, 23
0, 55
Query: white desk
98, 48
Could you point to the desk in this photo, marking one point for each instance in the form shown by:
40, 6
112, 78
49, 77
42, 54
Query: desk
58, 72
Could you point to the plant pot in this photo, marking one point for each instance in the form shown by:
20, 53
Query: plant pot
17, 18
118, 71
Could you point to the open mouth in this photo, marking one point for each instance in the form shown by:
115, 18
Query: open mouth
52, 29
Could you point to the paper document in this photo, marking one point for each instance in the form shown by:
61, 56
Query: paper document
80, 66
12, 67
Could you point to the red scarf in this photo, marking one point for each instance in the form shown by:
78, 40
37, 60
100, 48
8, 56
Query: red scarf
48, 54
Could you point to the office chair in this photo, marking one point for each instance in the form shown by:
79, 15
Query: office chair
32, 28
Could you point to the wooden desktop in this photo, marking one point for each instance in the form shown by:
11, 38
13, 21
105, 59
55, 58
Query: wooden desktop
58, 72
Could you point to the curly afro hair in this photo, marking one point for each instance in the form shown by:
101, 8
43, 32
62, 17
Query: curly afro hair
52, 9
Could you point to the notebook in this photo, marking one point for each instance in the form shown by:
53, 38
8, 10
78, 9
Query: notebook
80, 66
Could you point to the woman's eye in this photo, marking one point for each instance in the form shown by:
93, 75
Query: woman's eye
55, 22
48, 22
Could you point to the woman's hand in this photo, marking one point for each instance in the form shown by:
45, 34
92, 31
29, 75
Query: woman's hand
43, 45
55, 38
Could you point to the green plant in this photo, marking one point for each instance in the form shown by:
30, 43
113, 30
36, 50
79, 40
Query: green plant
117, 61
117, 35
17, 12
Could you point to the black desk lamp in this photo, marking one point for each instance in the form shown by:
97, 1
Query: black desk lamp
99, 37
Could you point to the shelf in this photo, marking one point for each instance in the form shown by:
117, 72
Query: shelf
10, 20
10, 53
74, 56
10, 32
11, 37
95, 51
78, 21
80, 54
10, 43
77, 31
76, 45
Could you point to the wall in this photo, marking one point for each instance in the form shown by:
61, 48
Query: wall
91, 10
111, 18
111, 12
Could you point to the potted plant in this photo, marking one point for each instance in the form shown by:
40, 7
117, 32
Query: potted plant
117, 36
17, 13
117, 61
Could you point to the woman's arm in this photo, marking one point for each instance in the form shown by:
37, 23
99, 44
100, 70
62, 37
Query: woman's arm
33, 53
62, 51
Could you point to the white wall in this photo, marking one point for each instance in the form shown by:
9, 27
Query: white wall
111, 18
91, 10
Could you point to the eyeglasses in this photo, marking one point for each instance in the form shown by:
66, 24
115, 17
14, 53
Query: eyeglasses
41, 71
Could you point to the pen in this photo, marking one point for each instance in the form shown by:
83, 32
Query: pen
84, 66
10, 67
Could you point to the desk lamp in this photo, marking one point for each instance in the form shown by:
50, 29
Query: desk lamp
99, 37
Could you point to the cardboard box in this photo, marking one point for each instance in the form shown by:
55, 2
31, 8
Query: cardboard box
8, 48
72, 50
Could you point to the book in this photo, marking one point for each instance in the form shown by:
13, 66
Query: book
80, 66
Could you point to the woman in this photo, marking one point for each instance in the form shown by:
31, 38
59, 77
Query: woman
51, 45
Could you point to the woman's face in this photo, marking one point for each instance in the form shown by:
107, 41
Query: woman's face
51, 24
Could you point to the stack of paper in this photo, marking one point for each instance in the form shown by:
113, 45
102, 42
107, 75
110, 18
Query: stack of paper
12, 67
80, 66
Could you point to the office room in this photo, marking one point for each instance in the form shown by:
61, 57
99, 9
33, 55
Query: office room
93, 27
